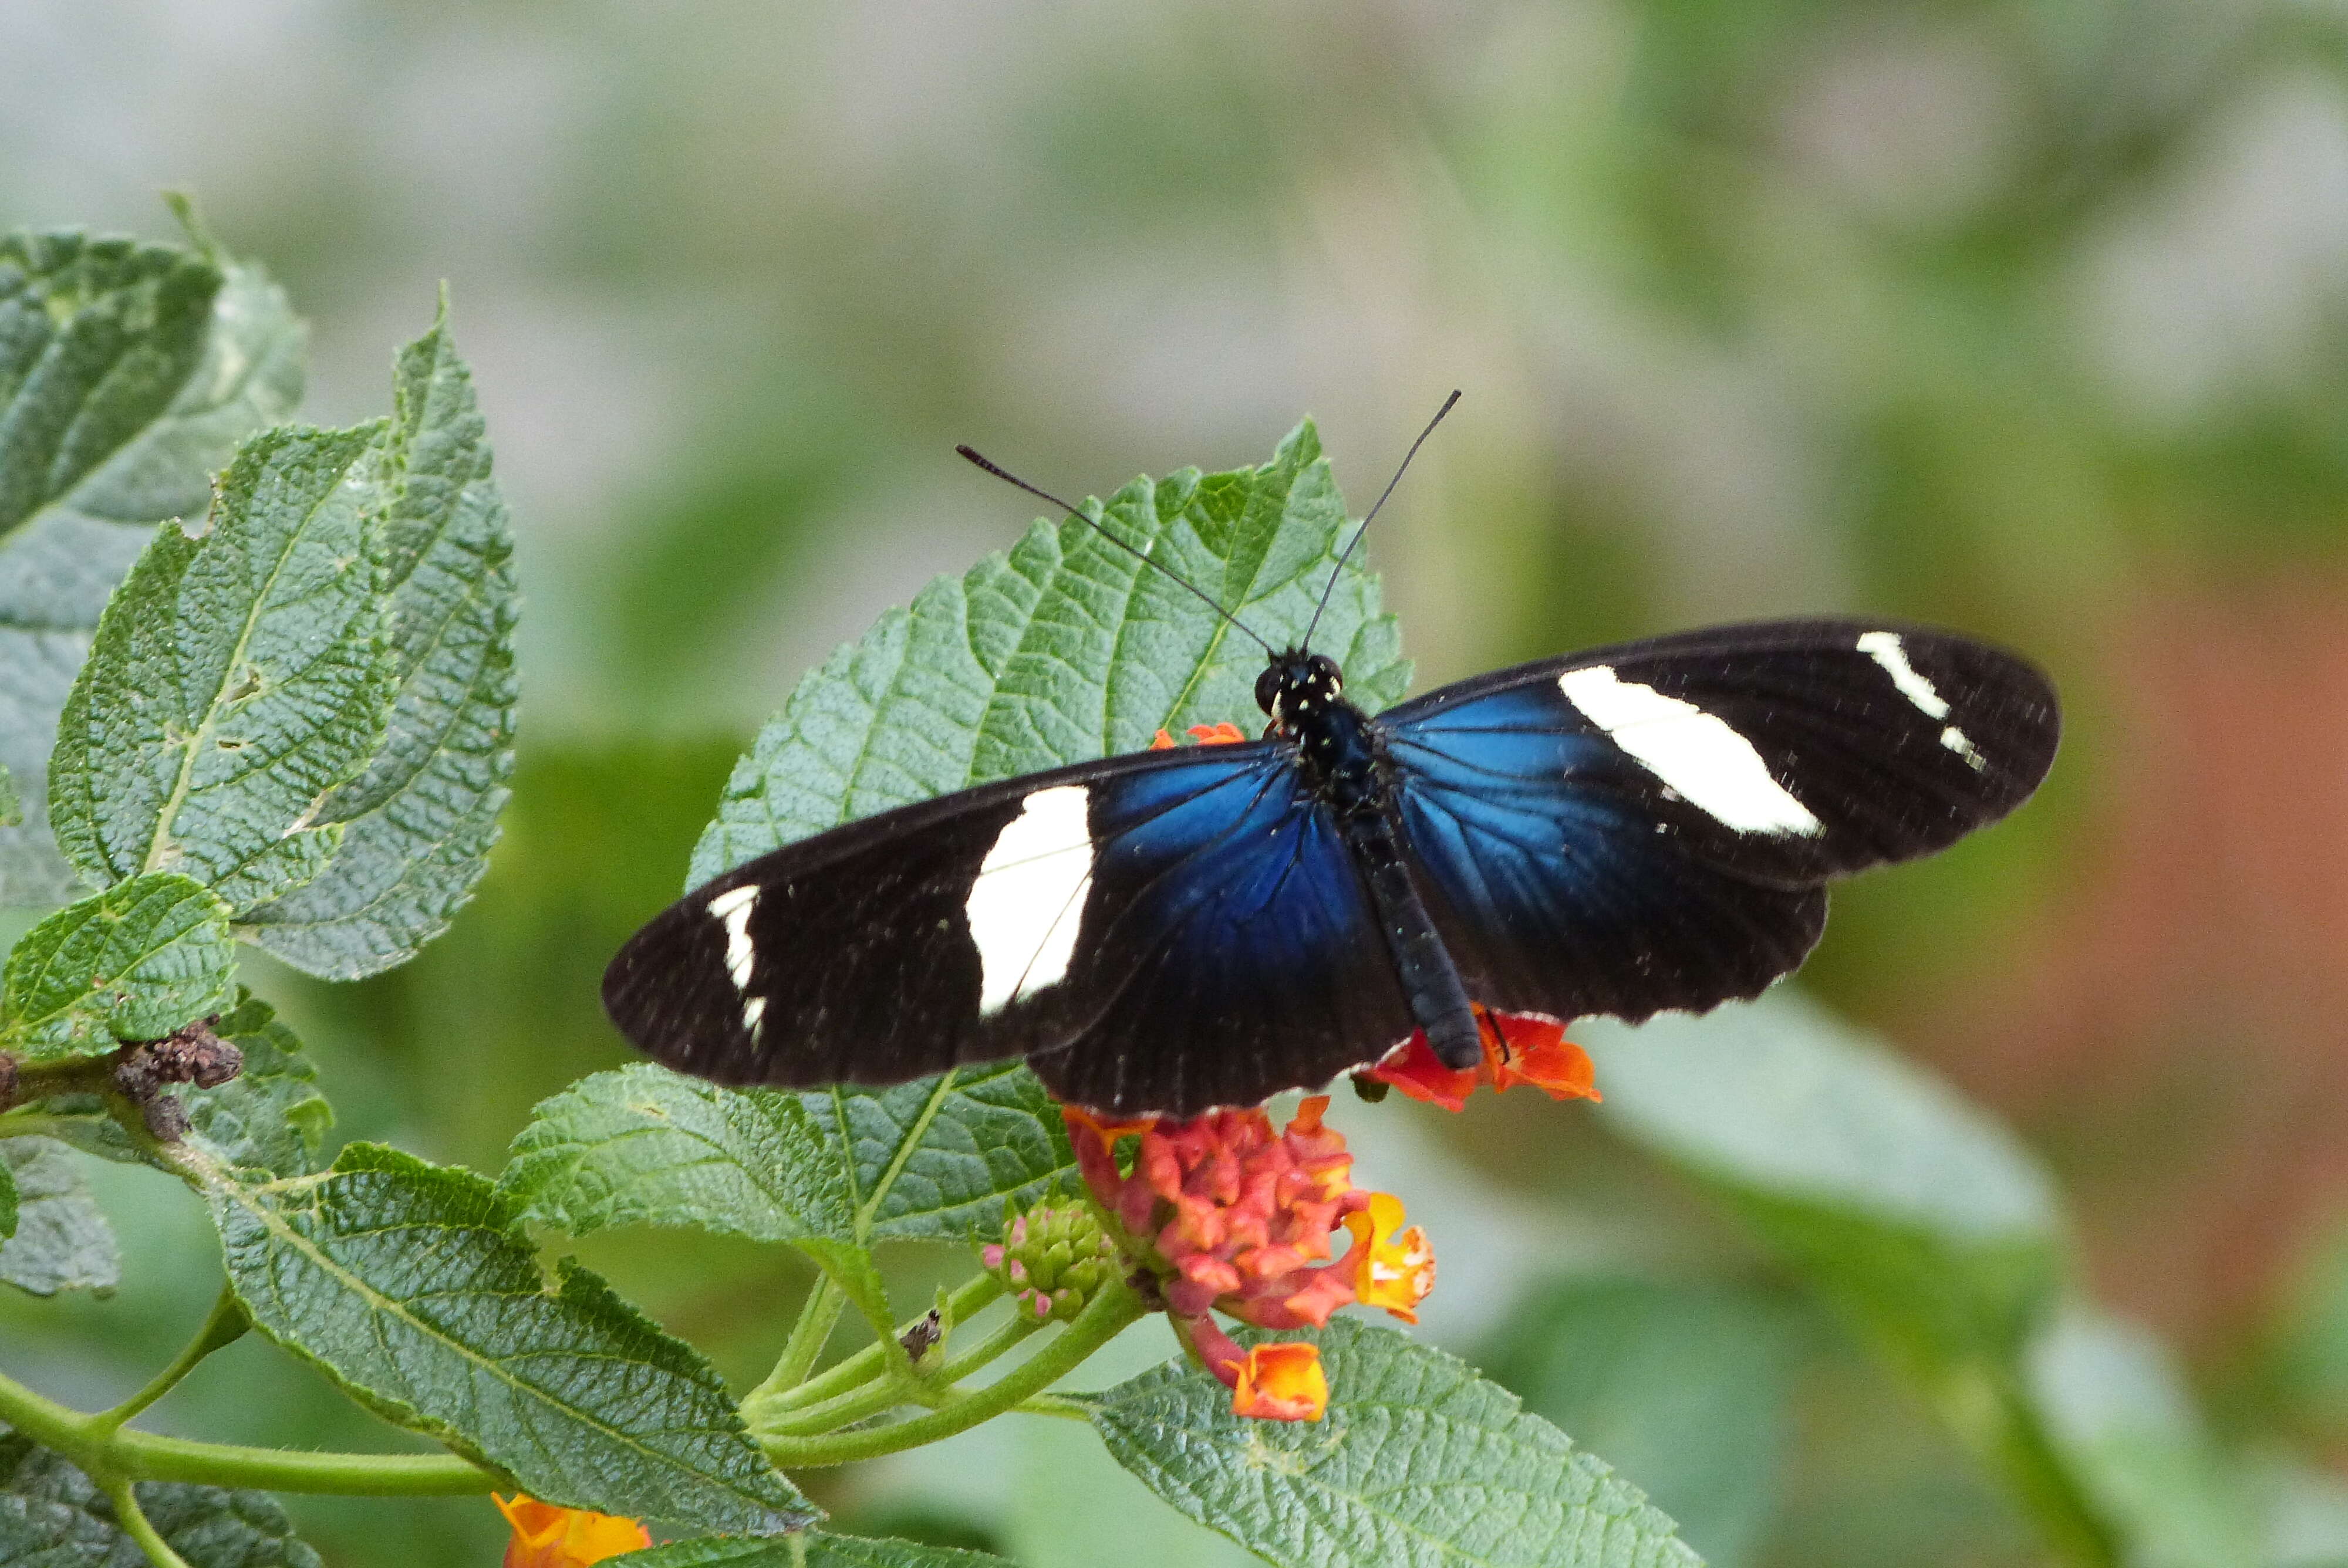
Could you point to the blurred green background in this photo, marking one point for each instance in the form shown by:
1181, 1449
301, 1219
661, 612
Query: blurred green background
2026, 317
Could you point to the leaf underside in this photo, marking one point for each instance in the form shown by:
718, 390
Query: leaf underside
412, 1287
61, 1240
134, 962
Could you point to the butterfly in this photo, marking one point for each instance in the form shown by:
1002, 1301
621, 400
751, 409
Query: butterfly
1631, 829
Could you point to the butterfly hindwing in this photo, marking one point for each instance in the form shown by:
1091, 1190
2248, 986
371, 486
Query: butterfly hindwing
1089, 917
1646, 826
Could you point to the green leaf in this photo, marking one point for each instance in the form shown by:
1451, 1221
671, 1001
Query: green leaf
1418, 1462
642, 1146
934, 1159
11, 810
134, 962
411, 1286
54, 1516
110, 422
813, 1550
1909, 1209
1066, 649
1686, 1389
420, 820
2122, 1418
237, 680
61, 1240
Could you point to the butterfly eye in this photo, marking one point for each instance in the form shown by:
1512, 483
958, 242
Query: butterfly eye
1322, 671
1267, 689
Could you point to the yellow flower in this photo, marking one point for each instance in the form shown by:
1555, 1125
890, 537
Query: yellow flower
1280, 1383
545, 1536
1393, 1267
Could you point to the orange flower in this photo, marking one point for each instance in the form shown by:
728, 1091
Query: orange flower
1234, 1218
1280, 1382
546, 1536
1393, 1267
1222, 734
1518, 1049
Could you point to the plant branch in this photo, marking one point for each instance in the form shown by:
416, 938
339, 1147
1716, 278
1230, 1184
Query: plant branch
143, 1456
1102, 1318
818, 1313
224, 1325
134, 1524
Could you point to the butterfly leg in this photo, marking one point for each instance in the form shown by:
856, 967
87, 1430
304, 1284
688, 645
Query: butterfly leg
1430, 980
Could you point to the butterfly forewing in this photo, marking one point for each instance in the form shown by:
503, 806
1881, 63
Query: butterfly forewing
1088, 919
1645, 827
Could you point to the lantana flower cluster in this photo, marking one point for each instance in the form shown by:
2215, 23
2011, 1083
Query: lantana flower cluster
1233, 1216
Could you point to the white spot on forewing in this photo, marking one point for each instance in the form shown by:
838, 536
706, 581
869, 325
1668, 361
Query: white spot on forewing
1691, 751
1028, 902
1883, 647
1956, 740
732, 909
753, 1015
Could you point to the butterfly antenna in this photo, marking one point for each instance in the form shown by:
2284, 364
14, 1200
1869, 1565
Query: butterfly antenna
1354, 543
1097, 527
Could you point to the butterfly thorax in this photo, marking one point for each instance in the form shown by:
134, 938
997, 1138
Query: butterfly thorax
1336, 744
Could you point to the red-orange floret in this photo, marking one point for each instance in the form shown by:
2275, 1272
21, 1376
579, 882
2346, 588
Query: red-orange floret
1522, 1048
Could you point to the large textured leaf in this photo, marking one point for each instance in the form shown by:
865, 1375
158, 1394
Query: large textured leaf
54, 1516
413, 1289
1910, 1209
1064, 649
421, 818
236, 680
128, 374
813, 1550
934, 1159
134, 962
1417, 1462
61, 1241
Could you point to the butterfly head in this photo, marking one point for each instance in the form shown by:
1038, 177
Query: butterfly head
1296, 685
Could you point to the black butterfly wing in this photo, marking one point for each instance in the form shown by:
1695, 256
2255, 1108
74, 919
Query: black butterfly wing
1160, 931
1647, 826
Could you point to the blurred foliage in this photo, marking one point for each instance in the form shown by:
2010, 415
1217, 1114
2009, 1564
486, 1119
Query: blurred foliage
2020, 314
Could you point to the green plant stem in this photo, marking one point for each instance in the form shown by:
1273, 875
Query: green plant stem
143, 1456
818, 1313
1102, 1318
224, 1325
1058, 1405
893, 1386
134, 1524
967, 1300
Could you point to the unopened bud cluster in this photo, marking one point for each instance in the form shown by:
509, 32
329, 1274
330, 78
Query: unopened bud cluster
1053, 1257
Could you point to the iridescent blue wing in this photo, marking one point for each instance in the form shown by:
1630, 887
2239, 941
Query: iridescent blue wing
1156, 932
1648, 826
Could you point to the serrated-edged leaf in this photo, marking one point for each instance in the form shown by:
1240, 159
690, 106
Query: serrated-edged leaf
1905, 1205
270, 1116
815, 1549
411, 1286
54, 1516
643, 1146
1065, 649
420, 819
1417, 1461
37, 673
236, 681
933, 1160
95, 331
62, 1241
134, 962
937, 1158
